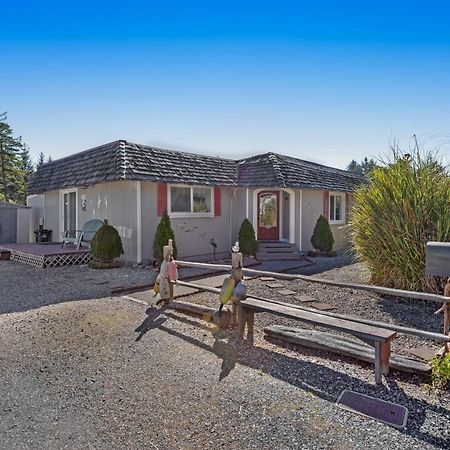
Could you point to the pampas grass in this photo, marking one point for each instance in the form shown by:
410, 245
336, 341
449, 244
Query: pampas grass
405, 204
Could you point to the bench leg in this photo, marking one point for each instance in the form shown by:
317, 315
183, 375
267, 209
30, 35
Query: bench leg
250, 323
242, 319
382, 354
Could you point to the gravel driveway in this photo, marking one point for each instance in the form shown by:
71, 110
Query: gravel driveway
79, 369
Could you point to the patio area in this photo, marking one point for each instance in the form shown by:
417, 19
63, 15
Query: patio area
48, 254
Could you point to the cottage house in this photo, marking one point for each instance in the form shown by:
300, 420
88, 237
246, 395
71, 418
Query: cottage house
206, 197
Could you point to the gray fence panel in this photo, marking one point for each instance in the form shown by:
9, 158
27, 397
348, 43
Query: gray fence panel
8, 225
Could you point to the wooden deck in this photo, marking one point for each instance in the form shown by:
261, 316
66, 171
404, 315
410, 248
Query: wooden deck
48, 254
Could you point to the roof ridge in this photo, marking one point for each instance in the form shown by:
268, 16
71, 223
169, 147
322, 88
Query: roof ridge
122, 159
183, 152
274, 159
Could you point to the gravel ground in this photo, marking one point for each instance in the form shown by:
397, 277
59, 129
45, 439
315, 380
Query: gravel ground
81, 371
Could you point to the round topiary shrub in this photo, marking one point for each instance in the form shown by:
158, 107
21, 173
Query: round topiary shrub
164, 232
248, 244
106, 245
322, 238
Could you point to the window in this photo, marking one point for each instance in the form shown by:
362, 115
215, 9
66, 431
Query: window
186, 201
337, 208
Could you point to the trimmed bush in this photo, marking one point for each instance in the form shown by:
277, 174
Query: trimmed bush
404, 205
322, 238
164, 232
106, 244
248, 244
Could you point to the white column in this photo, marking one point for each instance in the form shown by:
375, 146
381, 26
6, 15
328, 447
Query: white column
300, 219
138, 221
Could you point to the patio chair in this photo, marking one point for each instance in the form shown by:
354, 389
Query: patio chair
86, 234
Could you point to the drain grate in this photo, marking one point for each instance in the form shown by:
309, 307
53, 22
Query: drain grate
387, 412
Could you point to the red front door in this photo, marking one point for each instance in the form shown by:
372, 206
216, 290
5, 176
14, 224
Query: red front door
268, 225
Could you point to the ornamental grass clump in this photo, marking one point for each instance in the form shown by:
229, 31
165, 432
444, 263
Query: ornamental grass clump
404, 205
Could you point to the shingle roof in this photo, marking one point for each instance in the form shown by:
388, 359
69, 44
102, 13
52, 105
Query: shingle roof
274, 170
122, 160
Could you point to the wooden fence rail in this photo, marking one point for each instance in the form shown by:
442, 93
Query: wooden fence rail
361, 287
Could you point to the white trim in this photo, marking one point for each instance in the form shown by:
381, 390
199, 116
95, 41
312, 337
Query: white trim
180, 215
246, 203
291, 238
280, 216
300, 221
341, 221
61, 209
139, 221
255, 209
280, 212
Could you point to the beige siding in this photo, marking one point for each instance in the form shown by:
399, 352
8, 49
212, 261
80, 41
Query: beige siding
116, 202
37, 210
193, 235
239, 212
51, 214
149, 218
312, 208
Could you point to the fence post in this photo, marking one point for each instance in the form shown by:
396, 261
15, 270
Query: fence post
236, 264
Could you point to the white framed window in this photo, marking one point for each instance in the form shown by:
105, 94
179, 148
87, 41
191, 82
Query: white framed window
337, 208
190, 201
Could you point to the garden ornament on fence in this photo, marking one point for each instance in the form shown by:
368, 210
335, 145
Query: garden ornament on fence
167, 273
233, 287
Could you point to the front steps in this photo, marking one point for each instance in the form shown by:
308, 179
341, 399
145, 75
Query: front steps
277, 251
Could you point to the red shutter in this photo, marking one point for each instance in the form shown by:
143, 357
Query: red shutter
347, 207
326, 205
161, 202
217, 202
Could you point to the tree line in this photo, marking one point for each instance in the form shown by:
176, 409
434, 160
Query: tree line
16, 165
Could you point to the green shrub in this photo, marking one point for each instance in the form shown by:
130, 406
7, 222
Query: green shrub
106, 244
248, 244
322, 238
403, 206
440, 371
164, 232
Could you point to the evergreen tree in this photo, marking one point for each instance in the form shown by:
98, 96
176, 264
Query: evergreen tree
26, 168
322, 238
40, 161
164, 232
247, 239
10, 173
49, 159
363, 167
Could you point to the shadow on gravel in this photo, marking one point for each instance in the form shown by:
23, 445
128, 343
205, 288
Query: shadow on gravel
321, 381
152, 321
412, 313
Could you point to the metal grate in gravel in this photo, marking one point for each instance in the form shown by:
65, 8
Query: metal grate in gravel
386, 412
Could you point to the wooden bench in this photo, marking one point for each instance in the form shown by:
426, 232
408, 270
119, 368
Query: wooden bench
379, 338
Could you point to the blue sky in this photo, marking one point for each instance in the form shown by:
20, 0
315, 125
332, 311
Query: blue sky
327, 81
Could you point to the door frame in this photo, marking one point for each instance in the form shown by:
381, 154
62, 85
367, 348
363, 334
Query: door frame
292, 216
61, 208
277, 193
